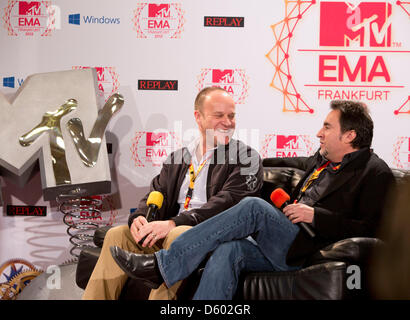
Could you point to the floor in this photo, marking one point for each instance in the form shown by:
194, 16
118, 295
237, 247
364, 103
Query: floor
57, 284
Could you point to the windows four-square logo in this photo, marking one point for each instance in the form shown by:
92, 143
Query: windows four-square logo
74, 19
12, 82
8, 82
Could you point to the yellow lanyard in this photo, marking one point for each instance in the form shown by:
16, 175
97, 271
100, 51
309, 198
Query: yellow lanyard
316, 174
192, 178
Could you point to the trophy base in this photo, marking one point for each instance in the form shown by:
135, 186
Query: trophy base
77, 190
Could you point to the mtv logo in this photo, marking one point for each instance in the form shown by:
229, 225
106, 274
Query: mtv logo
29, 8
154, 139
222, 76
159, 10
368, 24
34, 128
287, 142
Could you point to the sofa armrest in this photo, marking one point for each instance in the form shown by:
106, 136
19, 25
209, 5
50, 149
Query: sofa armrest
99, 235
86, 263
352, 251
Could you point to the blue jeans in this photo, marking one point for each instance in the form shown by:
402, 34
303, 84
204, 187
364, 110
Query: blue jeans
225, 234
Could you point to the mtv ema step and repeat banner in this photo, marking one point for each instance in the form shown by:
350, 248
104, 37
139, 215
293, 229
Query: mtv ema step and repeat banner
96, 94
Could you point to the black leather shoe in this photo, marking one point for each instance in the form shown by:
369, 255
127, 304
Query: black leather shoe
143, 267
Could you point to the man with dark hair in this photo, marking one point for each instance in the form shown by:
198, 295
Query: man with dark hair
341, 195
199, 181
355, 118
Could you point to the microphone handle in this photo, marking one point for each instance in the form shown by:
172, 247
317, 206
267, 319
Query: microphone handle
152, 210
305, 227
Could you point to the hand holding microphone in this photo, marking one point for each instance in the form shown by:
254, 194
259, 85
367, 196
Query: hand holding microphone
280, 199
154, 203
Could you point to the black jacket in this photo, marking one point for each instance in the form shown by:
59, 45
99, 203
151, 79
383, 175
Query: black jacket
235, 172
351, 207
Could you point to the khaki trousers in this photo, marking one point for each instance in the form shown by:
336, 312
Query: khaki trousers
107, 279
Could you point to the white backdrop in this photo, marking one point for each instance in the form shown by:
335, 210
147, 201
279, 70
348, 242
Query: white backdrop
280, 65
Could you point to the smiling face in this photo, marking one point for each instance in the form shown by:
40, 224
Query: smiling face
334, 144
216, 118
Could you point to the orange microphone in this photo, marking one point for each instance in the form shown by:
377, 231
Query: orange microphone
280, 199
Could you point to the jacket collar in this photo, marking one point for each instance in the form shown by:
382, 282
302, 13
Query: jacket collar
352, 166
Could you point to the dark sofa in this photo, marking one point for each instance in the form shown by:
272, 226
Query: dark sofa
330, 274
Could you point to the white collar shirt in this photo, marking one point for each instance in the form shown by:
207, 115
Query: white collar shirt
199, 197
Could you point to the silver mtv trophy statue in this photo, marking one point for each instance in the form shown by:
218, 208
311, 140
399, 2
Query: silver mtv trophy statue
55, 119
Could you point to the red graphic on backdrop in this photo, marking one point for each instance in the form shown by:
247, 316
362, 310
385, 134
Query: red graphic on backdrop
152, 148
354, 41
159, 20
222, 76
404, 108
159, 10
234, 81
29, 8
287, 142
156, 138
29, 18
279, 56
401, 153
100, 209
107, 80
280, 146
369, 23
405, 5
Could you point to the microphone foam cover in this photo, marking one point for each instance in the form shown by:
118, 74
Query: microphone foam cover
156, 198
279, 197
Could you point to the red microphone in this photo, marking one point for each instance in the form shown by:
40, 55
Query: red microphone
280, 199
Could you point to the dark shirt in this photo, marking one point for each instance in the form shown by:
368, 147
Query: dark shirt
325, 178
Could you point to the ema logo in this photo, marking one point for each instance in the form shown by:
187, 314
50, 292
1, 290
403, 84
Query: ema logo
76, 19
234, 81
152, 148
355, 53
234, 22
31, 17
401, 153
159, 20
281, 146
107, 80
11, 82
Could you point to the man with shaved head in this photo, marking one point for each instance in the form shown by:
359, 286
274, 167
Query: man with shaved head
210, 175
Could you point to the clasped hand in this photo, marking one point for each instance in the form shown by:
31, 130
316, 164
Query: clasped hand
152, 231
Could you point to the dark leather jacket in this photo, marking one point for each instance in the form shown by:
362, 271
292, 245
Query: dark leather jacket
351, 207
234, 173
